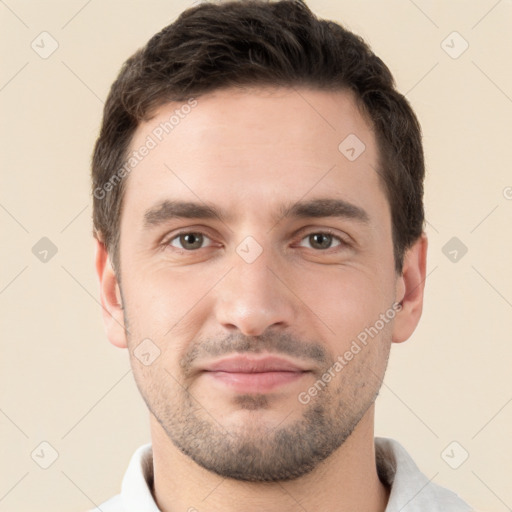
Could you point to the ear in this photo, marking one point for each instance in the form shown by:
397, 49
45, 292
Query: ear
409, 290
110, 297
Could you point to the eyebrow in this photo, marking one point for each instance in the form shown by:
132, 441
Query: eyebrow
316, 208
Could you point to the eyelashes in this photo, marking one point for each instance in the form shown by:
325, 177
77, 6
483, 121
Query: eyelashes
191, 237
191, 241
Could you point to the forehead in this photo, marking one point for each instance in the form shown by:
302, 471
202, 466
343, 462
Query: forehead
251, 149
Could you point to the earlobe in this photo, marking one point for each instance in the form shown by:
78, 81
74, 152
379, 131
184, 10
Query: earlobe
409, 290
110, 297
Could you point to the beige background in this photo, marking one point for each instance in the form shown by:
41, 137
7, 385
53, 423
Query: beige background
63, 383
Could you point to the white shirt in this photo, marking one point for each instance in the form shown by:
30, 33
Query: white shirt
411, 490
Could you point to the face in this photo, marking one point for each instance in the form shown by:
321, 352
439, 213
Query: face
254, 252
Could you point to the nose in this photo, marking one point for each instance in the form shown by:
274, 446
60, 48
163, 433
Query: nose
254, 297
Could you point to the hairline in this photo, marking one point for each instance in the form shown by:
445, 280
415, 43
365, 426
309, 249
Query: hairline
382, 156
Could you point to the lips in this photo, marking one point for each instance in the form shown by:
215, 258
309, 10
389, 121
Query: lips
245, 374
245, 364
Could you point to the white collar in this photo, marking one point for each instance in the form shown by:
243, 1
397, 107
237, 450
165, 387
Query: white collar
411, 490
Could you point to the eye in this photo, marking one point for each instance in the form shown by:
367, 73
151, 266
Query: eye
322, 241
189, 241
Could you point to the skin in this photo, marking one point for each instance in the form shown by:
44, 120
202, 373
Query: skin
251, 152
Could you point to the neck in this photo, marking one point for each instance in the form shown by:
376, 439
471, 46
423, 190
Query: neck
345, 481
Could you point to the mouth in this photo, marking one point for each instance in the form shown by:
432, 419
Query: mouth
245, 374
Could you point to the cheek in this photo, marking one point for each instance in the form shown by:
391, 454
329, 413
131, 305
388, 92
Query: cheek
166, 306
346, 300
159, 293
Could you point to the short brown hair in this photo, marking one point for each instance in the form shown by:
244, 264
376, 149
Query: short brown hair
252, 43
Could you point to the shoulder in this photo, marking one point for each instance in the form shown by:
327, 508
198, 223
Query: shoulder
410, 489
136, 485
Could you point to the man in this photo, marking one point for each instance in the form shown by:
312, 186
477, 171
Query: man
258, 211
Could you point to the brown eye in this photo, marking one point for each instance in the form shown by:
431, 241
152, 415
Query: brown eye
322, 241
188, 241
